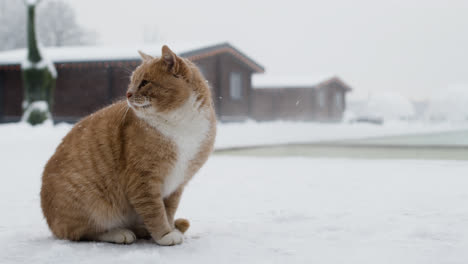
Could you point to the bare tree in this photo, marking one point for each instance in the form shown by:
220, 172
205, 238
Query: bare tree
12, 24
56, 25
39, 76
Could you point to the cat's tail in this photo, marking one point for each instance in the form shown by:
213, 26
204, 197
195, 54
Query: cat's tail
182, 224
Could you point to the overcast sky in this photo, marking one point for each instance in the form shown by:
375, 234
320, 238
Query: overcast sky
412, 47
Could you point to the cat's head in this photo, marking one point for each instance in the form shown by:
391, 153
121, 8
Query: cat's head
163, 84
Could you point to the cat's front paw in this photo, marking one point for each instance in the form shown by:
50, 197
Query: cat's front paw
175, 237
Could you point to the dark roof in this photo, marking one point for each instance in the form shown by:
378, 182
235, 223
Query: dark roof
336, 80
274, 81
223, 48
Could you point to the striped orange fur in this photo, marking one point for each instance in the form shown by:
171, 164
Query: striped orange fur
119, 173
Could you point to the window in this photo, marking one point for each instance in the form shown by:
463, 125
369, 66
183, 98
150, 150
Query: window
338, 100
235, 84
321, 97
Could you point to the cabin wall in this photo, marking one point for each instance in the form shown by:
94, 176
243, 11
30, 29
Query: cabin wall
2, 94
80, 91
12, 95
295, 104
298, 104
263, 105
118, 75
231, 109
335, 102
208, 68
83, 88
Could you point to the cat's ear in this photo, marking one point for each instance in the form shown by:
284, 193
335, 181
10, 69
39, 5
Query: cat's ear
169, 57
144, 56
175, 65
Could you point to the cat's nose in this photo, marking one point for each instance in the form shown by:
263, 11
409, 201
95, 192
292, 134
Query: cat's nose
129, 94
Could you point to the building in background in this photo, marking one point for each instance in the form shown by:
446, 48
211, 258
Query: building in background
298, 98
91, 77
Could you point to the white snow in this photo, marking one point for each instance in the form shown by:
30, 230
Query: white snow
40, 105
259, 210
260, 81
44, 63
37, 105
26, 64
31, 2
388, 106
448, 104
97, 53
268, 133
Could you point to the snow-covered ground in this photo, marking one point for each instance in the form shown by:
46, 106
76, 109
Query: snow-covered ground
268, 133
252, 210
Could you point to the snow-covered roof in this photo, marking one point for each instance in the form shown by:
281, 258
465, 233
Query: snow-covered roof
108, 53
260, 81
92, 53
31, 2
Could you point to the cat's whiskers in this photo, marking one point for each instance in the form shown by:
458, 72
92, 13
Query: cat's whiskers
125, 114
127, 70
145, 104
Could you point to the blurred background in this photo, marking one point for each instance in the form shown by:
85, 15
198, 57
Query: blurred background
318, 71
342, 125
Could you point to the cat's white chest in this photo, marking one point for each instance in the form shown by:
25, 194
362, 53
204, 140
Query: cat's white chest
188, 143
188, 132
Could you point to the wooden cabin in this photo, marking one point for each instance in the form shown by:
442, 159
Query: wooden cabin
92, 77
298, 98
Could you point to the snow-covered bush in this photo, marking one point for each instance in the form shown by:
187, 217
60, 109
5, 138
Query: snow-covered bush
448, 105
389, 106
37, 113
39, 76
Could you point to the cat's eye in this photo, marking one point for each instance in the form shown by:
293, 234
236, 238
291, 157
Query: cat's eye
143, 83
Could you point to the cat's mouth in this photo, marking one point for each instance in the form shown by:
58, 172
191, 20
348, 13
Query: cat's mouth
145, 106
139, 105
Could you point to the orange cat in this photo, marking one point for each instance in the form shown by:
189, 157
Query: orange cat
120, 172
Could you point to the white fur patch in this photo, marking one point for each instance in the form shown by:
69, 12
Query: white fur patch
109, 220
119, 236
175, 237
187, 127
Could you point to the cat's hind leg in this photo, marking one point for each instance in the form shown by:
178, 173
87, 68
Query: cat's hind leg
117, 235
